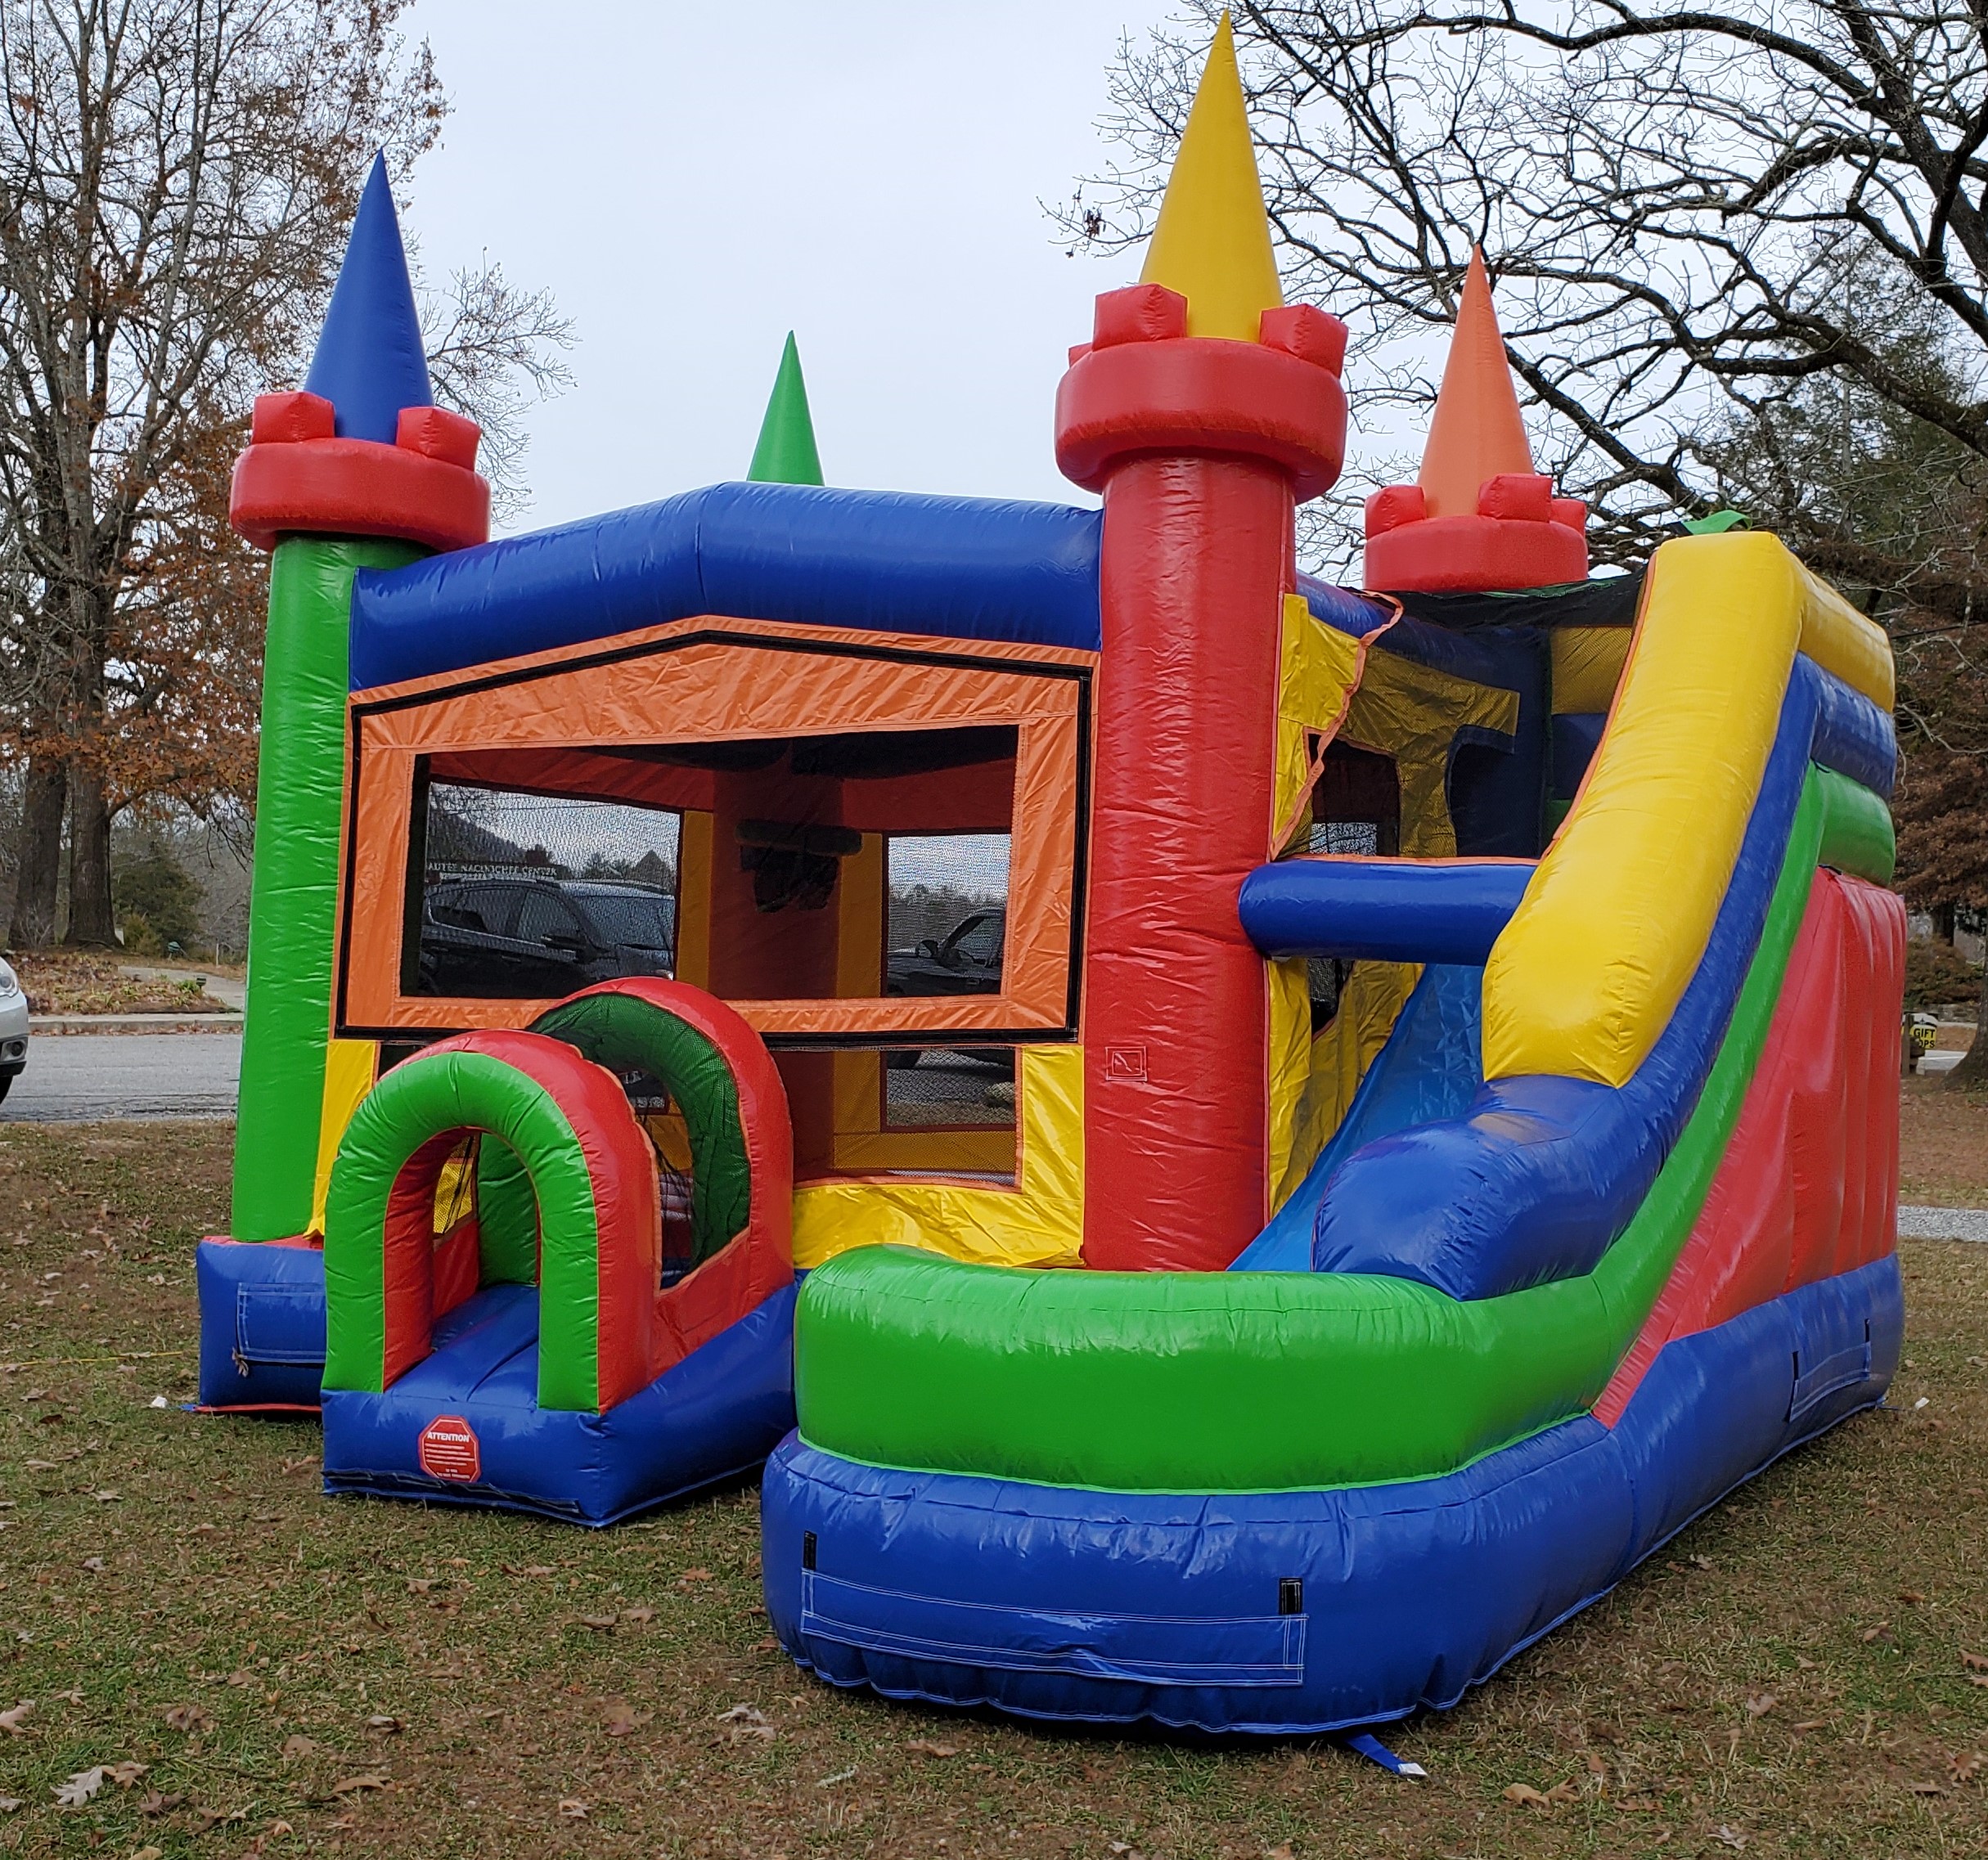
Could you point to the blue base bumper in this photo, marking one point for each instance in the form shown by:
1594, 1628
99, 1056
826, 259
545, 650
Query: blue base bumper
717, 1413
261, 1325
1295, 1611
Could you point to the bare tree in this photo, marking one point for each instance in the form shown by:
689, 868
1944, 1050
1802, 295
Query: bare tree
1682, 206
177, 178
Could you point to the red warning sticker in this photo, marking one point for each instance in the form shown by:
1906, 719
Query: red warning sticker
449, 1448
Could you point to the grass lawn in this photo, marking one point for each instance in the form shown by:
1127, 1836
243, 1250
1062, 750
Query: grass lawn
256, 1669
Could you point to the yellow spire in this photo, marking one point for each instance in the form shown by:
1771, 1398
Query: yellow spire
1212, 243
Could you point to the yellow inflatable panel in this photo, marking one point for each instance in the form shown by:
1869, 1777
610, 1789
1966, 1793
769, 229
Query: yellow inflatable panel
1846, 644
1038, 1222
350, 1067
1616, 918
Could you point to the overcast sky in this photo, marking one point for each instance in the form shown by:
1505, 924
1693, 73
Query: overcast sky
693, 181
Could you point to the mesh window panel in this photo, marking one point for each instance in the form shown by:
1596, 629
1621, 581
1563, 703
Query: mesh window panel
525, 896
945, 931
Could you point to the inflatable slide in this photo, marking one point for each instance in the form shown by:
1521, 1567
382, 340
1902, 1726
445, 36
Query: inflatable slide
1245, 1147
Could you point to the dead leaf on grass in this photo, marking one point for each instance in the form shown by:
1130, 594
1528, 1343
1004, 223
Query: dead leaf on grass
623, 1719
1975, 1662
14, 1722
926, 1747
1282, 1851
694, 1575
1808, 1724
92, 1564
1526, 1795
1701, 1563
1759, 1703
1964, 1768
742, 1714
297, 1745
642, 1612
573, 1809
155, 1805
600, 1624
11, 1804
363, 1783
80, 1787
1911, 1596
1729, 1836
126, 1774
149, 1853
766, 1643
383, 1721
1881, 1633
420, 1585
529, 1570
1927, 1788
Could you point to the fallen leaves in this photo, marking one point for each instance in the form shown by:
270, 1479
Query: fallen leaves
1729, 1836
297, 1746
383, 1723
745, 1721
1964, 1768
155, 1805
190, 1718
926, 1747
126, 1774
1975, 1662
694, 1575
572, 1808
80, 1788
640, 1613
365, 1782
600, 1624
1759, 1703
14, 1721
623, 1719
1527, 1796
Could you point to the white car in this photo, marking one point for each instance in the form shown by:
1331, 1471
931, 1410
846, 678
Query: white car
13, 1028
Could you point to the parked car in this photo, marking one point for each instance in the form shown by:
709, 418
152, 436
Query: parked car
516, 936
966, 960
13, 1028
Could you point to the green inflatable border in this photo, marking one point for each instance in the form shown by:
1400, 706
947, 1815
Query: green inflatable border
1200, 1382
626, 1034
423, 1098
292, 906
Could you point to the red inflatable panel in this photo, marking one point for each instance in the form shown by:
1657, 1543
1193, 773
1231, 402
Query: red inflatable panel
356, 487
1198, 395
1466, 554
1809, 1182
750, 1268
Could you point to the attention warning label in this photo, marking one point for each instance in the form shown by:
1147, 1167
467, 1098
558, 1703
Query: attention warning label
449, 1448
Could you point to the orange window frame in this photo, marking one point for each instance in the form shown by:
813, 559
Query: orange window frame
718, 679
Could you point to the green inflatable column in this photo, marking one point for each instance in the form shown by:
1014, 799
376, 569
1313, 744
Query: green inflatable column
786, 454
292, 906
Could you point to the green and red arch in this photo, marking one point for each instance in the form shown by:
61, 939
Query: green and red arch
552, 1101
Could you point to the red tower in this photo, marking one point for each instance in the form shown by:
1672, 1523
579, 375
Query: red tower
1204, 418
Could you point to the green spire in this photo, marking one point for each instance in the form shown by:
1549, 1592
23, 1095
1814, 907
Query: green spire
786, 454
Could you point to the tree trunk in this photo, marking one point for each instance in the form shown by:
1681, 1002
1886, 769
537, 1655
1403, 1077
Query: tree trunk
90, 920
1972, 1073
38, 854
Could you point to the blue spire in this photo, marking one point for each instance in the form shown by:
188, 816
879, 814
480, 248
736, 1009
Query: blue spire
371, 363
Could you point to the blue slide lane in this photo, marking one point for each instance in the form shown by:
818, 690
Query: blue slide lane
1296, 1611
1429, 1069
960, 567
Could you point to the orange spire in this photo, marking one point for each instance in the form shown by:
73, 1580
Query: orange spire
1477, 432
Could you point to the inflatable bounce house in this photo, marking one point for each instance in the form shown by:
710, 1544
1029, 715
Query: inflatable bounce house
1245, 1147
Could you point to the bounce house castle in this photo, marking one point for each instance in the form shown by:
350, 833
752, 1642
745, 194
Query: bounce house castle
1245, 1146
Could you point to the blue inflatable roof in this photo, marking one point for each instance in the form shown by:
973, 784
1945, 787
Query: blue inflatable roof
961, 567
371, 361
